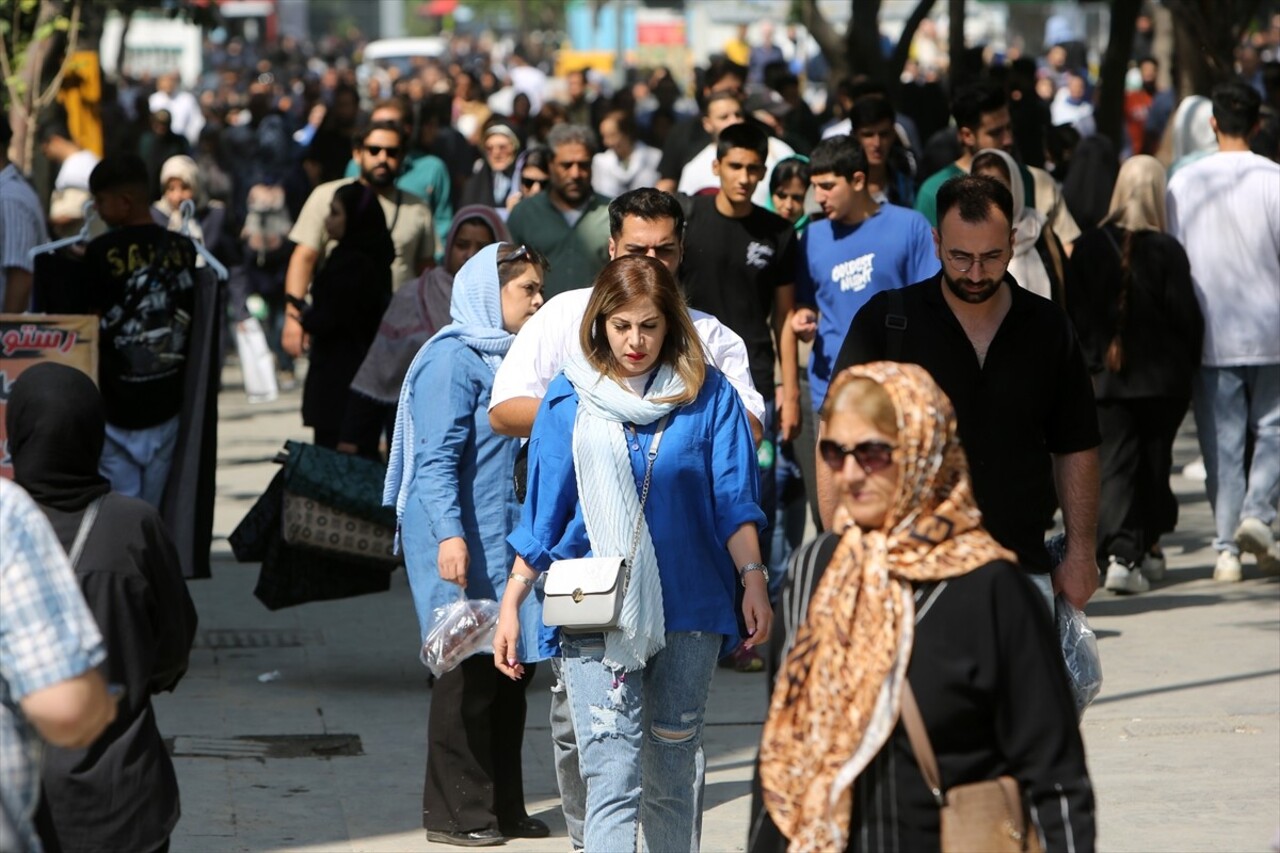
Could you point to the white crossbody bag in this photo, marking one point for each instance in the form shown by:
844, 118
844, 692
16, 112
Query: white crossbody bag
585, 595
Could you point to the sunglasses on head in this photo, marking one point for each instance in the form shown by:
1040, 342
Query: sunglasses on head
524, 253
871, 456
375, 150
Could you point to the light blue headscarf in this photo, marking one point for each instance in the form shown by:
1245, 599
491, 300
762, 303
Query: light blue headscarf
476, 311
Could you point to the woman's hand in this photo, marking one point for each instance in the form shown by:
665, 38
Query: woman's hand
453, 560
505, 642
756, 612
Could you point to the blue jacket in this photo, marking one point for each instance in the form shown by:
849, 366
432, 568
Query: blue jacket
461, 487
705, 486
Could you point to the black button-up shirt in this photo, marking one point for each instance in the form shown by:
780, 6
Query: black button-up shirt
1031, 398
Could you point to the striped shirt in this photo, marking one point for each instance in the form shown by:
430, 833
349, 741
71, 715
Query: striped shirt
21, 224
47, 636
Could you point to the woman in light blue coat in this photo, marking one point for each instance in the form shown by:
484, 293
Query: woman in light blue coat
450, 477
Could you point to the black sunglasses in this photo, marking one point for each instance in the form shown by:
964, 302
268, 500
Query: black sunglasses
871, 456
375, 150
530, 183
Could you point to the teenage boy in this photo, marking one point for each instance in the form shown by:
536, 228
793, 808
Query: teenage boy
723, 110
860, 249
981, 113
739, 263
142, 283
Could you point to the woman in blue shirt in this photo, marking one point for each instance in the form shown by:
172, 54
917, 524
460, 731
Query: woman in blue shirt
450, 478
643, 382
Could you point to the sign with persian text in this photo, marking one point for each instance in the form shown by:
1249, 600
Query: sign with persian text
29, 339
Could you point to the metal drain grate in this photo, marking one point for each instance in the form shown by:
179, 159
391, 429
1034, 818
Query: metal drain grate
237, 638
265, 746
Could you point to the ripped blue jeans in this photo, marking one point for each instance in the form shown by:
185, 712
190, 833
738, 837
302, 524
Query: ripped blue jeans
638, 735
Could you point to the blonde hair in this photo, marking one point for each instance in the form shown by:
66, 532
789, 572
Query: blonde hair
634, 278
863, 397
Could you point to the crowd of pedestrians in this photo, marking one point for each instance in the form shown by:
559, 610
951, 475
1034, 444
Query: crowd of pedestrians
684, 329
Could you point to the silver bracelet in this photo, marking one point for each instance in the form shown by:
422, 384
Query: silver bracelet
753, 567
524, 580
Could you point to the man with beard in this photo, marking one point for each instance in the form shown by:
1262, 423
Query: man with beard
378, 150
1012, 366
569, 223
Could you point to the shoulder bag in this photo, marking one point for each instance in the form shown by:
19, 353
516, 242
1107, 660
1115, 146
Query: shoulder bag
585, 595
981, 817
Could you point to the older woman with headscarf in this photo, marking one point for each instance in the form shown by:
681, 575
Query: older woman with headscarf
121, 792
449, 478
1134, 308
1039, 261
917, 593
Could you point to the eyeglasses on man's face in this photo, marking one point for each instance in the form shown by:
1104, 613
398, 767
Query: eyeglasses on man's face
871, 456
962, 262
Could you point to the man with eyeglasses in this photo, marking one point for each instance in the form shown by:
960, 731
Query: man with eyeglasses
569, 222
1010, 362
378, 149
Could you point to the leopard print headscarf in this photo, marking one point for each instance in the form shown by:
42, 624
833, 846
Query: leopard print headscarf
838, 695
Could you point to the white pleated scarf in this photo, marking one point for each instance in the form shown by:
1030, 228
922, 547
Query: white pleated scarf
611, 504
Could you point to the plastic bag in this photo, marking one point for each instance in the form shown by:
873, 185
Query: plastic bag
1080, 651
458, 631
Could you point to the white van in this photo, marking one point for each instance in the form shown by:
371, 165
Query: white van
400, 52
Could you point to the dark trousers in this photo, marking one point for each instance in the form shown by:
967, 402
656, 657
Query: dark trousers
474, 736
1137, 505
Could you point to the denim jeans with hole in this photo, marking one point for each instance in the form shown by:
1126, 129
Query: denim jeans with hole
1230, 403
639, 735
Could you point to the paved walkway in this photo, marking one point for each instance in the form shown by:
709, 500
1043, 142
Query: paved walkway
1184, 743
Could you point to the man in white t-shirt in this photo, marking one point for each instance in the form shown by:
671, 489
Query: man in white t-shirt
1225, 209
725, 109
643, 221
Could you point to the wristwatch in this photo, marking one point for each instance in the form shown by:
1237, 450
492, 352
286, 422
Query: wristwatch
754, 567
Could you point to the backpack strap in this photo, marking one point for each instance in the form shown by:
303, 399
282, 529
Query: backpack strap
87, 522
895, 324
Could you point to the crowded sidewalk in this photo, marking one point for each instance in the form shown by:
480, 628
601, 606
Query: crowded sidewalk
1182, 742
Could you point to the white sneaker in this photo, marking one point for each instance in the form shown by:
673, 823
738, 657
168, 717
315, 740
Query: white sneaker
1153, 566
1227, 568
1195, 470
1124, 580
1255, 537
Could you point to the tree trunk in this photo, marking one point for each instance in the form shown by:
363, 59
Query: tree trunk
829, 41
1206, 34
955, 38
863, 37
121, 49
1110, 109
902, 52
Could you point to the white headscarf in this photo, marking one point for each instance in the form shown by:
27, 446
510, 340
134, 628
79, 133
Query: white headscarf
1027, 268
610, 505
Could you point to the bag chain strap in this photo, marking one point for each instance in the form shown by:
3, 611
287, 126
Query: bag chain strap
644, 491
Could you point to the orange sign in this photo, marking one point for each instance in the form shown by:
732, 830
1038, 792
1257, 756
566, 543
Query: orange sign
29, 339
